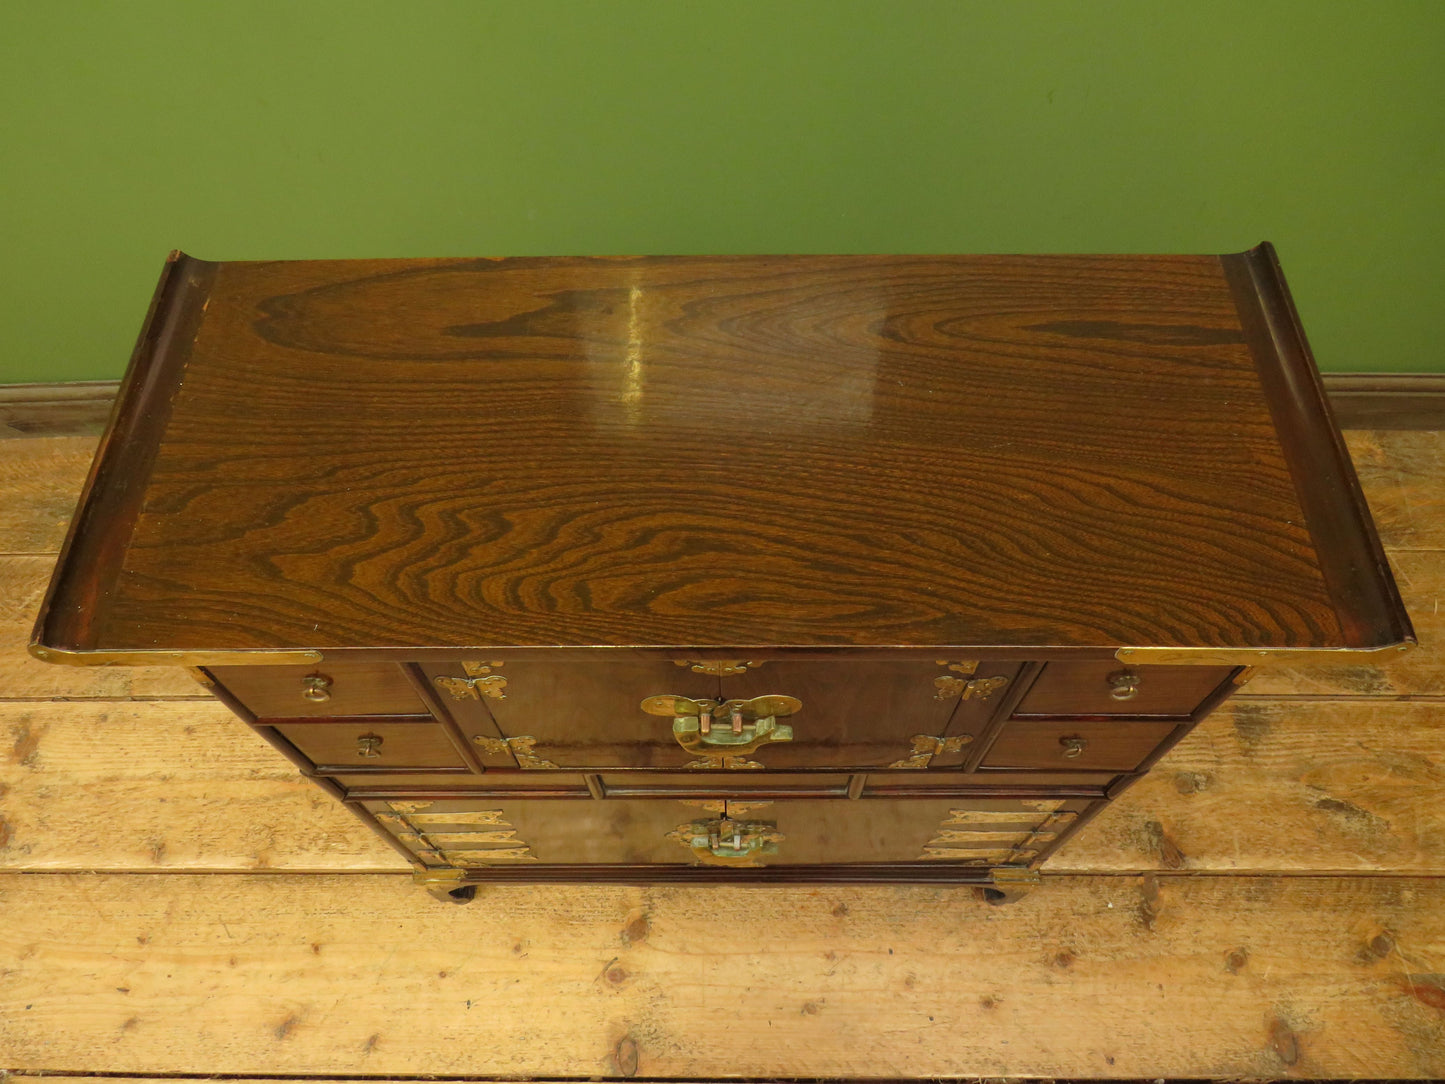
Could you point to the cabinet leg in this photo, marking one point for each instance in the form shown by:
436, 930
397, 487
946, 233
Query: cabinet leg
1010, 884
462, 894
445, 885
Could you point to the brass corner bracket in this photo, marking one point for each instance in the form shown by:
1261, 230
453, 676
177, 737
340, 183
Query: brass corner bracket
158, 657
1260, 656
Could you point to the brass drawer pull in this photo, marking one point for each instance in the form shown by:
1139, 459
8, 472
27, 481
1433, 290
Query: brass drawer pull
727, 729
727, 842
1123, 684
1073, 747
316, 688
369, 746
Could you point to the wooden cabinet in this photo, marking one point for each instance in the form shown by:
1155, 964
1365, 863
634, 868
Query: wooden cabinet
708, 569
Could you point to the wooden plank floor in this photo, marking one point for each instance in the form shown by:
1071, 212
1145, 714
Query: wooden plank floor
1269, 904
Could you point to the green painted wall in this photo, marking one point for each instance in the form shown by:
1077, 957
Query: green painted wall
319, 128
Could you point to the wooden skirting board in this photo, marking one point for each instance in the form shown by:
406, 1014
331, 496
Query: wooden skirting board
1360, 401
177, 904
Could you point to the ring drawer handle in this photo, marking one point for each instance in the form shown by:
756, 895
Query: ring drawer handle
1123, 684
1073, 747
369, 746
316, 688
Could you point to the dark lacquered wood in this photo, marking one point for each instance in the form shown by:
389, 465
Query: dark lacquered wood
729, 451
1084, 688
580, 715
724, 783
514, 783
1351, 559
96, 545
878, 784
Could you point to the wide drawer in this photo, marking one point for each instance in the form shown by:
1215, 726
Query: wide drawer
1109, 688
712, 784
285, 692
1080, 743
682, 714
483, 833
374, 744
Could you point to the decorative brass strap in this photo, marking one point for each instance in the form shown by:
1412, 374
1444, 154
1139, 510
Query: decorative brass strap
724, 807
718, 668
979, 836
968, 667
1260, 656
733, 763
523, 747
467, 846
926, 747
479, 682
977, 689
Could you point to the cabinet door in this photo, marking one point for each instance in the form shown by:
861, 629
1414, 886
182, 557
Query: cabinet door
653, 714
874, 714
569, 715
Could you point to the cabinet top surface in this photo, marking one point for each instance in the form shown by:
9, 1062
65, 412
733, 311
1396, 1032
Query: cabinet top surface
817, 452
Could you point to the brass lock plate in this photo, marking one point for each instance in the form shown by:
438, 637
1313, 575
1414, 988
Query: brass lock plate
729, 728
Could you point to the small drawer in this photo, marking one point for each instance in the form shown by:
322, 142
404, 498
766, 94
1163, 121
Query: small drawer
372, 745
1111, 688
331, 689
1083, 744
413, 784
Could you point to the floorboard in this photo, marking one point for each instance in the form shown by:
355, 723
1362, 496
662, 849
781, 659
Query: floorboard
326, 974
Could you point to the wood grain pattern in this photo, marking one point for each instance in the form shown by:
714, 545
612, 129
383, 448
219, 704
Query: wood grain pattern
1404, 475
163, 786
1343, 785
721, 451
1264, 977
40, 481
